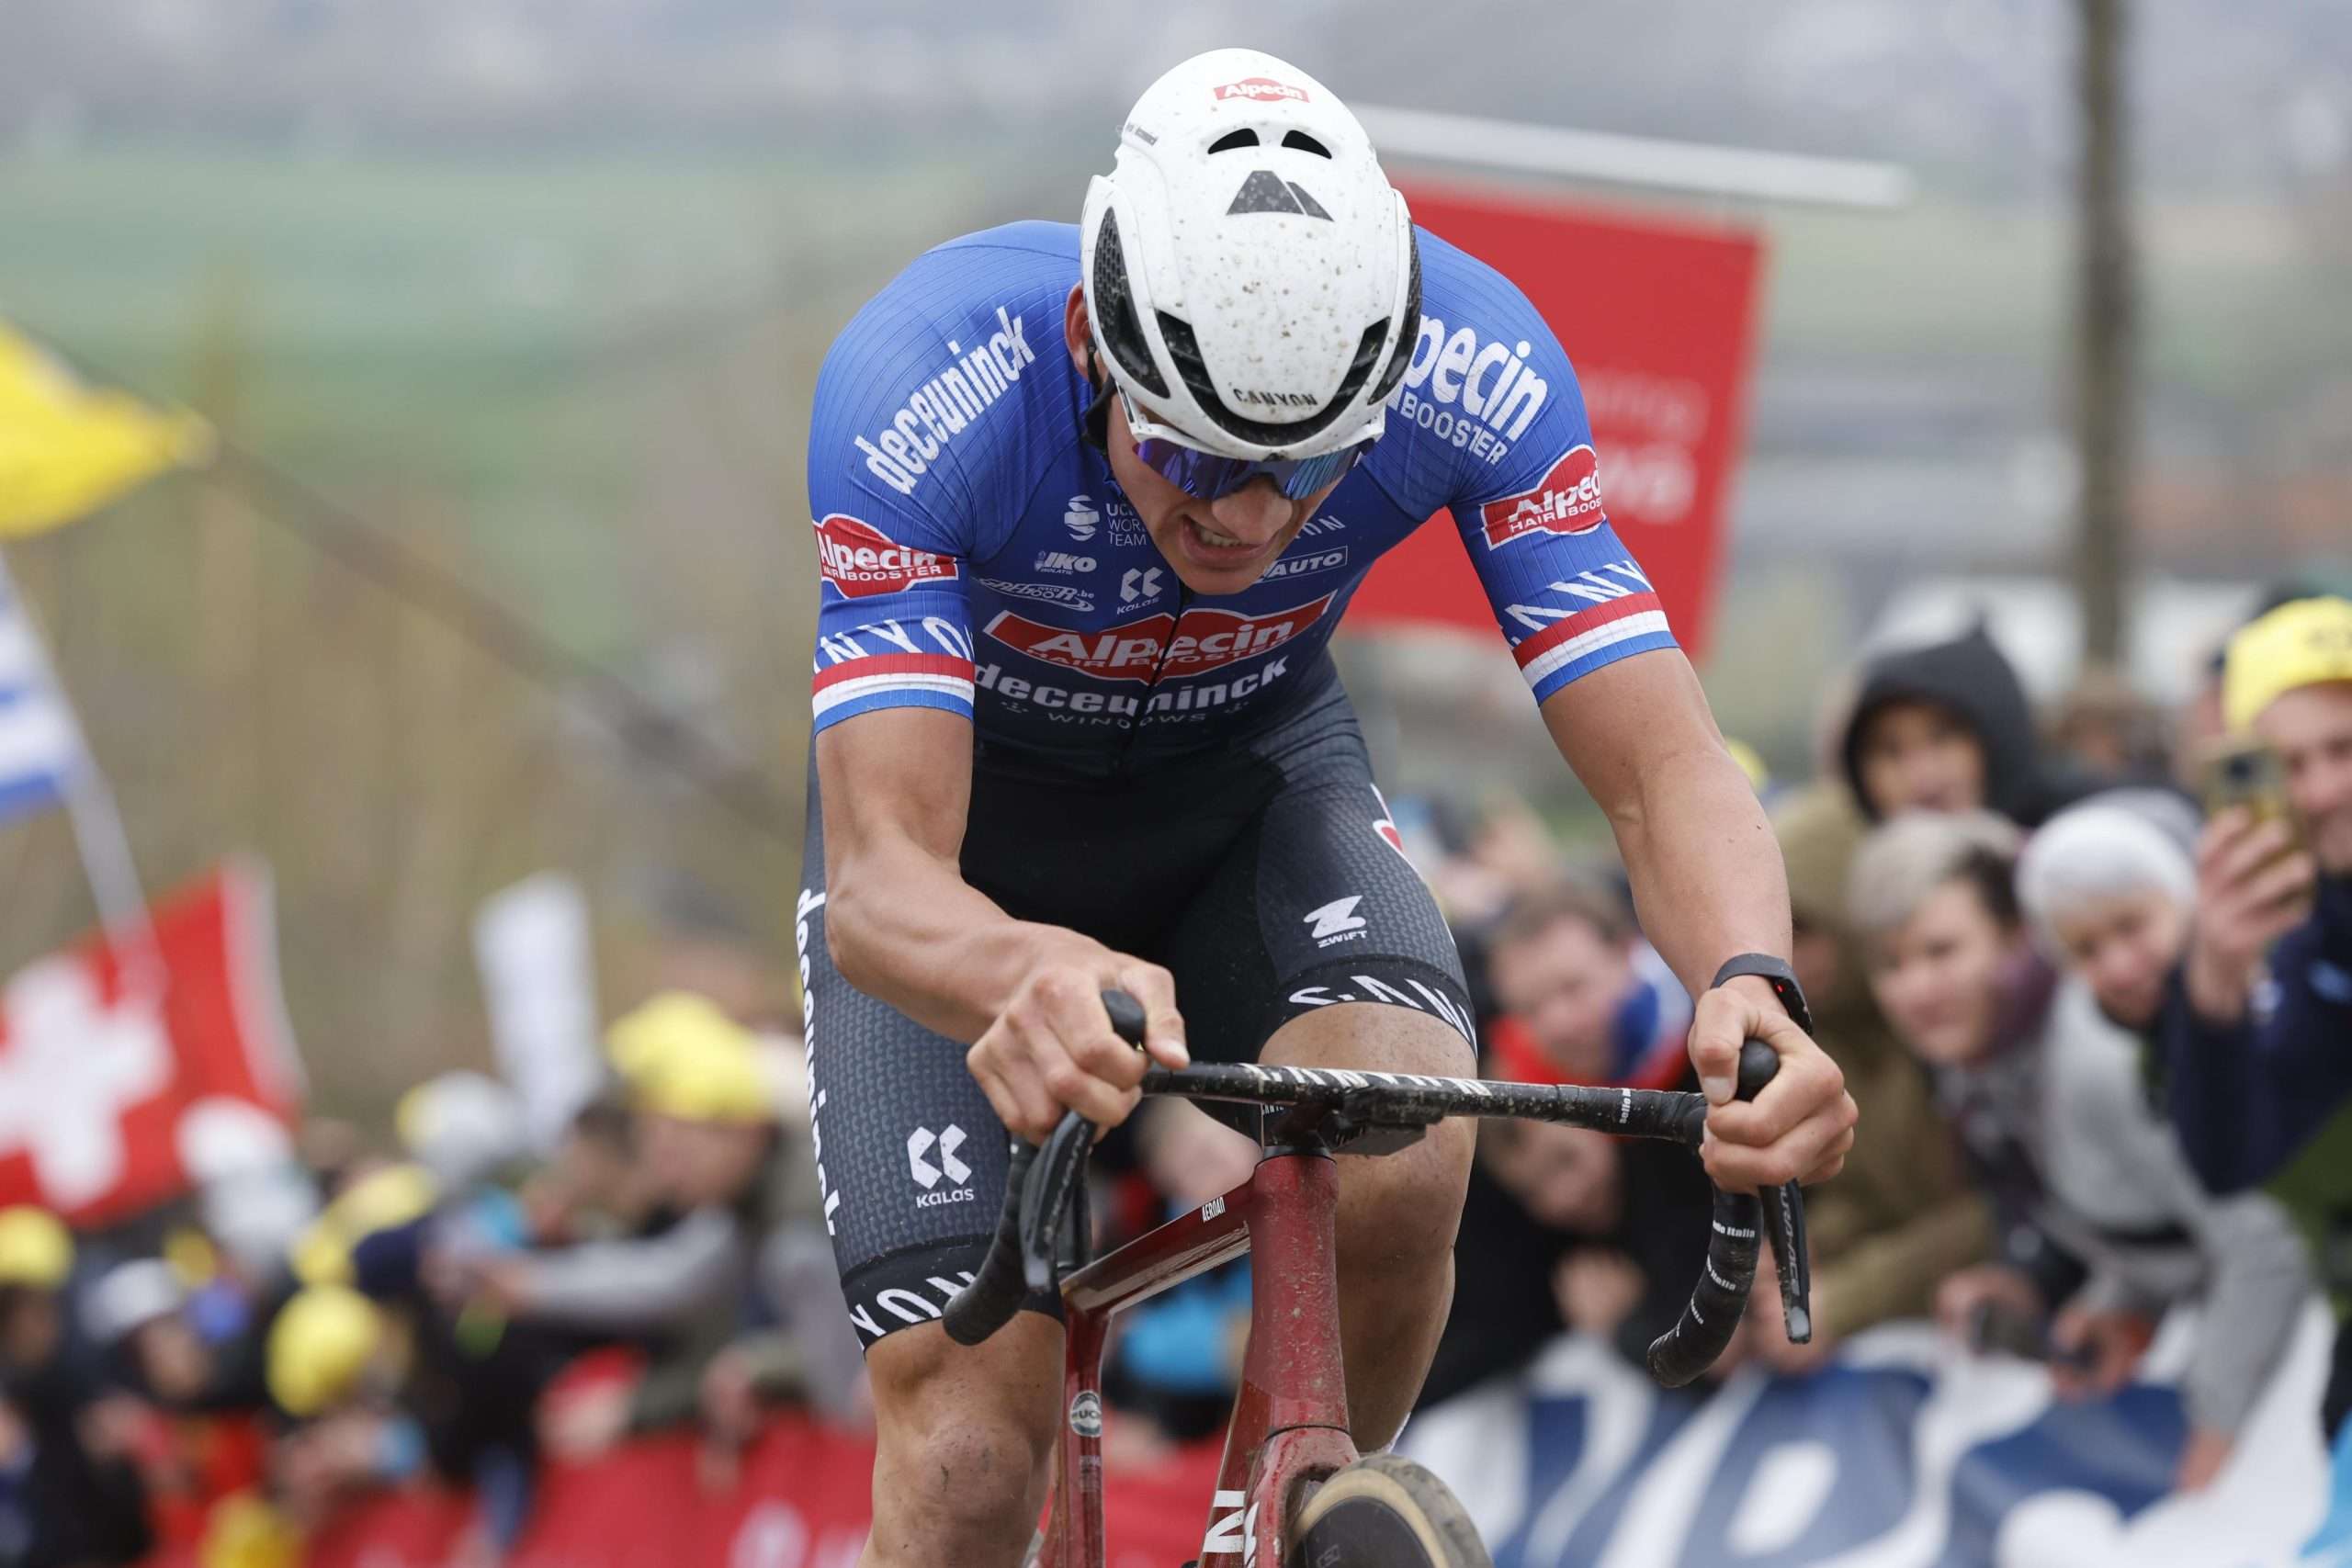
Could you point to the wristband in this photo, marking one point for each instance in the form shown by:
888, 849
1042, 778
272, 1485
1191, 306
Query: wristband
1776, 973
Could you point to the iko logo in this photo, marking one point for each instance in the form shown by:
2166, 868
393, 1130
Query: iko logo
1140, 583
946, 405
927, 1176
1081, 519
1062, 561
1266, 191
1336, 922
1492, 386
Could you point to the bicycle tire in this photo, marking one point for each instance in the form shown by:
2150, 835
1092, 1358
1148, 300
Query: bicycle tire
1385, 1512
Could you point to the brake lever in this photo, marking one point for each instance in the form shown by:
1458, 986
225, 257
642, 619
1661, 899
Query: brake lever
1782, 1214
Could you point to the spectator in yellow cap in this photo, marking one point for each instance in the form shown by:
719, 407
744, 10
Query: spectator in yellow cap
710, 1136
2256, 1035
333, 1362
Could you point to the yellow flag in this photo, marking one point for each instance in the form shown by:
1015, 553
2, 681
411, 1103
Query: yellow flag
66, 450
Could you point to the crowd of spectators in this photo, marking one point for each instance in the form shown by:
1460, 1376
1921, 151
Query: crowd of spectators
2088, 983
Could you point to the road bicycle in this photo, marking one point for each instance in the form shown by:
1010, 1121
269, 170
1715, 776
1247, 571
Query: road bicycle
1291, 1491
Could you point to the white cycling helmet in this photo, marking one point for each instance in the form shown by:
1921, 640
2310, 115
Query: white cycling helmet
1249, 272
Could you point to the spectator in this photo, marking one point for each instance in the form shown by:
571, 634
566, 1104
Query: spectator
724, 1174
1634, 1215
206, 1442
2105, 728
332, 1370
2047, 1094
1947, 727
2254, 1026
69, 1497
1584, 999
1901, 1216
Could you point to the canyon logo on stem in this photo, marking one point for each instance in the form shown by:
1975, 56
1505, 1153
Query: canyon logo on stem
862, 561
1567, 501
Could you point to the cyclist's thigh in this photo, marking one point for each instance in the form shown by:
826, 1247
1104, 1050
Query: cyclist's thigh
1315, 907
911, 1159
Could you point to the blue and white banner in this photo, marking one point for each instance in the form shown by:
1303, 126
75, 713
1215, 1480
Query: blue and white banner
40, 748
1903, 1452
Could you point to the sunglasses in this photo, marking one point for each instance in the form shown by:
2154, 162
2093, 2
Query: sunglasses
1204, 476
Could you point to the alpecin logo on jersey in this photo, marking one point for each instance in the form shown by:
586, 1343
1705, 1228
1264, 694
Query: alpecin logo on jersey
1496, 390
1134, 651
1567, 501
862, 561
903, 451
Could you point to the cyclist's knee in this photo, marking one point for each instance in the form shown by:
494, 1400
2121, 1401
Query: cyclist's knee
964, 1435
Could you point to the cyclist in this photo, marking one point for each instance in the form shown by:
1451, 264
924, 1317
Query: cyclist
1078, 728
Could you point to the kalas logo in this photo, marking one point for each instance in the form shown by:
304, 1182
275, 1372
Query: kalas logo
1567, 502
861, 562
1208, 639
1261, 90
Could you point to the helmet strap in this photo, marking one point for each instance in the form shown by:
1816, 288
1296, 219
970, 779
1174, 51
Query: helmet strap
1094, 423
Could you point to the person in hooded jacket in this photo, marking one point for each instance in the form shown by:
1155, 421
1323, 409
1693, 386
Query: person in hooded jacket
1902, 1215
1946, 726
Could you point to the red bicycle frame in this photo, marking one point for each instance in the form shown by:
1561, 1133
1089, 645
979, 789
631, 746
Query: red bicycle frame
1290, 1420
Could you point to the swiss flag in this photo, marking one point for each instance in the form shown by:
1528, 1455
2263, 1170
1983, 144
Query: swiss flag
122, 1086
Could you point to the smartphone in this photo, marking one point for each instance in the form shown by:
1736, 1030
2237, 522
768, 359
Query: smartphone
1992, 1327
2246, 774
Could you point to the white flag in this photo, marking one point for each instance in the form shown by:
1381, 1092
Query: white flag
40, 748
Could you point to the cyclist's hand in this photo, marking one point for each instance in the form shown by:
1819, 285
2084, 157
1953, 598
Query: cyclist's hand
1800, 1127
1052, 1049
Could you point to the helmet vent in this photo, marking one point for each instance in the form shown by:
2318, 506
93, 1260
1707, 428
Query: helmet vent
1184, 349
1411, 325
1245, 137
1114, 310
1300, 141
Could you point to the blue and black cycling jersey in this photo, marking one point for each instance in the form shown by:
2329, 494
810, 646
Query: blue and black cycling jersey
978, 556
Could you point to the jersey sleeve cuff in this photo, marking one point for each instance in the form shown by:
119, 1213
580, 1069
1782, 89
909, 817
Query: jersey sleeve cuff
1600, 635
910, 681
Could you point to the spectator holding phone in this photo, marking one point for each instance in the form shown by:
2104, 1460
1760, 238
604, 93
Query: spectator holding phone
2256, 1033
2101, 1224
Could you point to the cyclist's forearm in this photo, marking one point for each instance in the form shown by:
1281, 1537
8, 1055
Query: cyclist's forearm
1707, 874
905, 927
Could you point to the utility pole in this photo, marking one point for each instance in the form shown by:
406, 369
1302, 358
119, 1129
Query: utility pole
2105, 320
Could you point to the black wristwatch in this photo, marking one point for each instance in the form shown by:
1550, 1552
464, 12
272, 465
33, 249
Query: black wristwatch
1776, 973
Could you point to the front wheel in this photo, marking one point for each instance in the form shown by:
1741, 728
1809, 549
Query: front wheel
1385, 1512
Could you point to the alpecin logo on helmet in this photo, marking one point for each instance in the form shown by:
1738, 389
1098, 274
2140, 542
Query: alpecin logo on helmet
1260, 90
1206, 640
1567, 502
861, 561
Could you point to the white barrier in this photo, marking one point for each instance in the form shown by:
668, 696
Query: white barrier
1903, 1452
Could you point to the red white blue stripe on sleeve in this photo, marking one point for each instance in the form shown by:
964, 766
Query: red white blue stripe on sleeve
1582, 642
892, 681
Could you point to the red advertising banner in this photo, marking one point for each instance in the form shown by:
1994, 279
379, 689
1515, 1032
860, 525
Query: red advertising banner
123, 1084
1659, 317
803, 1499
